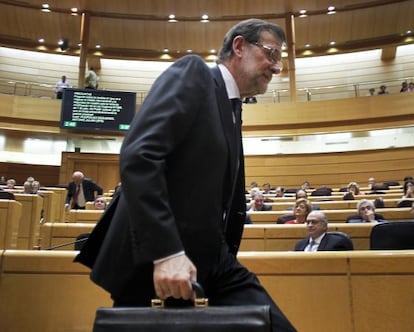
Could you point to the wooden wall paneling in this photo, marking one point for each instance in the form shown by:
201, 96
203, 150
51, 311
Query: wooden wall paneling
47, 175
330, 169
100, 167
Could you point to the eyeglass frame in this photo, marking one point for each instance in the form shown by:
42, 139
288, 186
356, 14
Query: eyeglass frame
270, 51
312, 222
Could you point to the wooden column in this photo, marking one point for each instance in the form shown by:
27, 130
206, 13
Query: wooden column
84, 39
290, 41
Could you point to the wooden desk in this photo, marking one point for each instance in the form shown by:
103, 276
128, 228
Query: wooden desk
332, 205
359, 291
29, 226
83, 216
336, 197
333, 216
10, 215
284, 237
53, 234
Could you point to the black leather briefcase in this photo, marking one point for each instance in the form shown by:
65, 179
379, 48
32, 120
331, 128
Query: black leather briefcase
200, 318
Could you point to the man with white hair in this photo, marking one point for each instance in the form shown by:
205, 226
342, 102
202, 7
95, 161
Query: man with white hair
80, 191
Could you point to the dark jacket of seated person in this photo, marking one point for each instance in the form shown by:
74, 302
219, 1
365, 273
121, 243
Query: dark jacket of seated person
319, 238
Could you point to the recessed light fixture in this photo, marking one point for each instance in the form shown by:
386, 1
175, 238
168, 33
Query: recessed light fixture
41, 40
331, 10
45, 8
302, 13
212, 51
74, 11
409, 32
332, 43
98, 46
189, 51
204, 18
171, 18
308, 45
165, 50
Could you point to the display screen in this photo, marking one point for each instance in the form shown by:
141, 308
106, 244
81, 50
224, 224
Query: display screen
104, 110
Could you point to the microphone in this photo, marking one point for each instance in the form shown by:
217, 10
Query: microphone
67, 244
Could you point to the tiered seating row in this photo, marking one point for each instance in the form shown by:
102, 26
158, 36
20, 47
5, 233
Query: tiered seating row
334, 216
358, 291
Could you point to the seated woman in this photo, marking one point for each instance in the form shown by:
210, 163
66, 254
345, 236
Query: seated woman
408, 196
352, 191
100, 203
408, 189
301, 210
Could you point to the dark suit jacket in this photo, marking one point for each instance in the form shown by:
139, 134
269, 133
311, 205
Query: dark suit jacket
178, 165
331, 241
89, 189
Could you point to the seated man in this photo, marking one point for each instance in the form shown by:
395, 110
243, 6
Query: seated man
366, 213
257, 204
319, 238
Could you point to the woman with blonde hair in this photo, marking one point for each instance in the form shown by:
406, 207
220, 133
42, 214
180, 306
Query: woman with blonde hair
301, 210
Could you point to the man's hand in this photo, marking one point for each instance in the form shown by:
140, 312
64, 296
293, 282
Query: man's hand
172, 278
369, 215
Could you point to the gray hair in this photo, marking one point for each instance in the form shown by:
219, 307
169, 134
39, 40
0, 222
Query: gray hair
250, 30
365, 201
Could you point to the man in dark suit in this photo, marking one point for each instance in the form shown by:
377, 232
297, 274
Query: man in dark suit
319, 238
180, 214
80, 191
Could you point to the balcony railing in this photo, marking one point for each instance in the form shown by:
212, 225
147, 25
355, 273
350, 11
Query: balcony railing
303, 94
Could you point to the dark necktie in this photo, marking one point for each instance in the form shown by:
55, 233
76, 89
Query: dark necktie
237, 109
75, 197
311, 244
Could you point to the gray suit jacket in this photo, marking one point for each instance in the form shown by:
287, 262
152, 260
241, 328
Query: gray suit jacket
178, 165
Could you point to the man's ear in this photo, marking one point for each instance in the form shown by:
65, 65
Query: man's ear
239, 43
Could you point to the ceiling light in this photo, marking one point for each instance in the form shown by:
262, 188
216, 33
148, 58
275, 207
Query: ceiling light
171, 18
97, 46
74, 11
165, 50
332, 43
45, 8
189, 51
302, 13
204, 18
307, 45
213, 51
41, 40
331, 10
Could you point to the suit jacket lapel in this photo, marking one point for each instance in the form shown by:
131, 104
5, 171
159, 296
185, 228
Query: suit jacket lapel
225, 109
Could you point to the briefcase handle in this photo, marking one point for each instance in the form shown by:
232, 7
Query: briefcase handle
199, 301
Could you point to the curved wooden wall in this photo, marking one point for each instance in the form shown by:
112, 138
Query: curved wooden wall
39, 116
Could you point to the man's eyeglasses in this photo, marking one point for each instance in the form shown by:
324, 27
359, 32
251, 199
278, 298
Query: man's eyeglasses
273, 53
312, 221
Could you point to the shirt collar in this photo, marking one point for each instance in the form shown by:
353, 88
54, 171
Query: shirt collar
318, 239
229, 81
